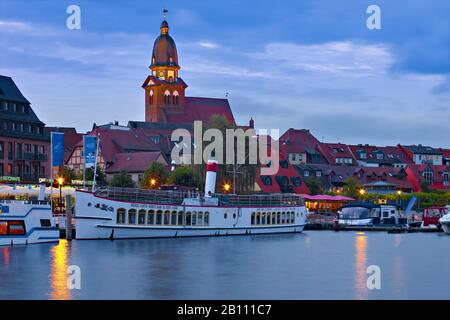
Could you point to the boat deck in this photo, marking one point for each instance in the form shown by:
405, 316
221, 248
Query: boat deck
177, 197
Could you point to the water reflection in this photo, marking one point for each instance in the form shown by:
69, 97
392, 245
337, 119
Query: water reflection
6, 256
361, 258
58, 273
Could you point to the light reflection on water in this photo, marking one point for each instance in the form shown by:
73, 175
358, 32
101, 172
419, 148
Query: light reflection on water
58, 273
312, 265
361, 259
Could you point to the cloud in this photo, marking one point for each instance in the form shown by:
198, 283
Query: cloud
14, 25
344, 57
208, 45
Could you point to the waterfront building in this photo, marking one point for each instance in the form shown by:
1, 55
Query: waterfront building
375, 156
301, 147
435, 176
420, 154
337, 154
24, 144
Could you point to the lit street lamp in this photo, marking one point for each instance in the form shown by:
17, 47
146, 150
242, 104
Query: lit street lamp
60, 183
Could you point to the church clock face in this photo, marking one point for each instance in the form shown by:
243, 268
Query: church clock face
161, 74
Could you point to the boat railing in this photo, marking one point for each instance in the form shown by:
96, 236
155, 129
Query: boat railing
263, 200
177, 197
145, 195
34, 202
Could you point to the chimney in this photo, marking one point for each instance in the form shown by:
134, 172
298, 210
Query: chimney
210, 181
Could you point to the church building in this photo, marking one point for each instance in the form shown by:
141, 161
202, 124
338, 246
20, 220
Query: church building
165, 98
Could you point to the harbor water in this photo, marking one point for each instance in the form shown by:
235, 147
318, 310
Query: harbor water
311, 265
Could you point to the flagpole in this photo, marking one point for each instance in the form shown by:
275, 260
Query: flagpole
51, 171
95, 163
84, 163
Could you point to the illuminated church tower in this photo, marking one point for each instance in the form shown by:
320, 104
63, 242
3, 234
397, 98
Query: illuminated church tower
164, 90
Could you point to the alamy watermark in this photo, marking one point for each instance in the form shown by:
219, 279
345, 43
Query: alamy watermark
374, 279
74, 277
240, 147
374, 20
73, 21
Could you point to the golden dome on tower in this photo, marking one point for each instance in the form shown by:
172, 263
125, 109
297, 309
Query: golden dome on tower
164, 49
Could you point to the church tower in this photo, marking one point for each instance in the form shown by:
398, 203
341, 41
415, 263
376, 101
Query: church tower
164, 90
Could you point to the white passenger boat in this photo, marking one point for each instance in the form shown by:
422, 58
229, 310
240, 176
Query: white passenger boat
26, 222
117, 213
445, 221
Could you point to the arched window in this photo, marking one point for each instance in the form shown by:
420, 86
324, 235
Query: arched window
121, 216
253, 218
166, 217
206, 218
278, 217
141, 216
132, 216
194, 218
292, 217
151, 97
175, 97
173, 218
258, 218
159, 217
274, 218
167, 97
200, 218
180, 218
151, 217
188, 218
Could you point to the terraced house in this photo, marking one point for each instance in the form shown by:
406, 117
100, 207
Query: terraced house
24, 144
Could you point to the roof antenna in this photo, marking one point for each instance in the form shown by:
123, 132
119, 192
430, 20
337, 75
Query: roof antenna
165, 12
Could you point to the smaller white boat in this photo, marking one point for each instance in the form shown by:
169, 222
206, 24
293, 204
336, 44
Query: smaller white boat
445, 221
26, 222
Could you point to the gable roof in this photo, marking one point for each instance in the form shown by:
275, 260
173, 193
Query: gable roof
299, 141
391, 154
9, 90
201, 109
135, 162
332, 151
419, 149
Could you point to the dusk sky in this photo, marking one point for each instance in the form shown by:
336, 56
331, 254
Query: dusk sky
302, 64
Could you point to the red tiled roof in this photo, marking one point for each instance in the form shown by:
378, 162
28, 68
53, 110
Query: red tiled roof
135, 162
288, 172
391, 154
114, 141
201, 109
299, 141
331, 151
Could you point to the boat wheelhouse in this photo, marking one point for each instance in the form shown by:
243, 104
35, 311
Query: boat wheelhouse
26, 222
369, 214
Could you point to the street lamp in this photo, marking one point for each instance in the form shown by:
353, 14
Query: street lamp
226, 187
152, 183
60, 183
362, 192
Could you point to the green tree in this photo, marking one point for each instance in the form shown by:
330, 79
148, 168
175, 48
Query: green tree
351, 188
122, 180
68, 174
183, 176
89, 176
314, 185
425, 187
155, 176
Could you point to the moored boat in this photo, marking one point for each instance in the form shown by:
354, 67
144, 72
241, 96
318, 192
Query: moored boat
369, 214
445, 221
26, 222
120, 213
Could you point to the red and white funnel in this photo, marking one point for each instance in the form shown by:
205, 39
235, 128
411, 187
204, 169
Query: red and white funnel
210, 181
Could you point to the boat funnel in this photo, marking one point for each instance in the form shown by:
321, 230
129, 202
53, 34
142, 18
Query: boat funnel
210, 181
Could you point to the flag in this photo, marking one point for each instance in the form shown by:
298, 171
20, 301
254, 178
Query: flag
57, 142
90, 147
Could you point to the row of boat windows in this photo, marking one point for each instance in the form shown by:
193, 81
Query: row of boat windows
273, 217
167, 218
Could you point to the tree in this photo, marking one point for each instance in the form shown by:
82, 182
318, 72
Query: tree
122, 180
155, 176
183, 176
425, 186
351, 188
68, 174
314, 185
89, 176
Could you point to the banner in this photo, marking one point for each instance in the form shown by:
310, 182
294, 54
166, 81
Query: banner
89, 143
57, 141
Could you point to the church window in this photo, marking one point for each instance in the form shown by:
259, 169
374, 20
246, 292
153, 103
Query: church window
167, 97
151, 96
175, 97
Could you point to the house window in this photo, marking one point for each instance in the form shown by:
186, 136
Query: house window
318, 173
151, 97
363, 155
175, 98
267, 181
306, 173
428, 176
